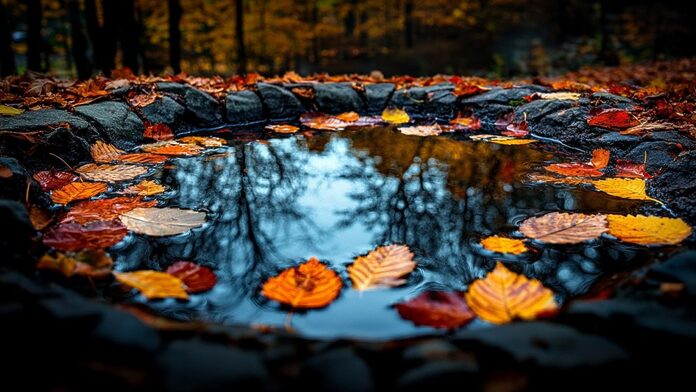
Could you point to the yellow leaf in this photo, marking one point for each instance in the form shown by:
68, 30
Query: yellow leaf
160, 222
9, 111
627, 188
512, 141
308, 285
503, 296
561, 95
648, 230
504, 245
110, 173
384, 266
205, 141
564, 228
145, 188
153, 284
395, 116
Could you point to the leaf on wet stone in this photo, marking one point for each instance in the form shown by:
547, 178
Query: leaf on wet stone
204, 141
504, 245
282, 128
600, 158
421, 130
627, 188
196, 278
104, 152
628, 169
95, 235
77, 191
160, 222
348, 117
559, 95
503, 296
158, 132
142, 100
309, 285
504, 140
436, 309
648, 230
395, 116
50, 179
172, 148
153, 284
384, 266
93, 263
110, 173
469, 123
10, 111
516, 129
105, 209
564, 228
145, 188
615, 119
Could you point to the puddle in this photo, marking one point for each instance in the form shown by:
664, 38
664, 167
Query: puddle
272, 204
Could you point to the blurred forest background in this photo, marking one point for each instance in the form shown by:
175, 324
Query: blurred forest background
494, 38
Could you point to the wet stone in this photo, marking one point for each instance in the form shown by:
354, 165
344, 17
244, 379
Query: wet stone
280, 103
243, 107
608, 100
680, 268
123, 330
15, 243
676, 185
430, 350
440, 375
378, 96
536, 110
13, 182
121, 126
337, 370
437, 102
42, 119
336, 98
66, 144
660, 154
201, 108
163, 111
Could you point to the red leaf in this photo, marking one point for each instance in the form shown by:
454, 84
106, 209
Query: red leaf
516, 129
95, 235
105, 209
158, 132
616, 119
628, 169
50, 179
196, 278
436, 309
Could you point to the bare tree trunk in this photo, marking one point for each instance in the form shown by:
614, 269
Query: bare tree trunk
408, 23
79, 41
95, 33
239, 27
7, 60
175, 13
34, 41
128, 34
108, 36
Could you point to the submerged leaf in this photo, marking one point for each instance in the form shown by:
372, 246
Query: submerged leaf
627, 188
383, 266
161, 222
94, 263
110, 173
9, 111
95, 235
564, 228
436, 309
153, 284
395, 116
308, 285
504, 245
648, 230
196, 278
503, 296
77, 191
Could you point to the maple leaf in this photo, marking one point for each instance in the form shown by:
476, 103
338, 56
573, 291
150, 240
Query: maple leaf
308, 285
436, 309
504, 245
616, 119
77, 191
196, 278
564, 228
158, 132
627, 188
160, 222
153, 284
95, 235
383, 266
104, 209
502, 296
110, 173
648, 230
93, 263
395, 116
50, 179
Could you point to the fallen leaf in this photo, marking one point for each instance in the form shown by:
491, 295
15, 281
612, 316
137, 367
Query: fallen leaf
504, 245
104, 209
39, 218
628, 169
144, 157
384, 266
395, 116
196, 278
95, 235
77, 191
421, 130
627, 188
145, 188
142, 100
616, 119
204, 141
308, 285
5, 172
648, 230
564, 228
574, 169
94, 263
50, 179
153, 284
600, 158
469, 123
537, 177
520, 129
110, 173
161, 222
348, 117
282, 128
104, 152
9, 111
558, 96
436, 309
158, 132
504, 140
172, 148
324, 122
503, 296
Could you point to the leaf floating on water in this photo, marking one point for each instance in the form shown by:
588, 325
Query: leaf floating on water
204, 141
104, 209
503, 296
158, 132
504, 140
504, 245
564, 228
616, 119
77, 191
172, 148
145, 188
104, 152
600, 160
627, 188
395, 116
110, 173
284, 128
92, 263
466, 123
153, 284
142, 158
95, 235
9, 111
421, 130
160, 222
384, 266
348, 117
648, 230
436, 309
324, 122
537, 177
308, 285
50, 179
196, 278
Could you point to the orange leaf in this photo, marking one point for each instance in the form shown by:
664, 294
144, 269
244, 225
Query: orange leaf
105, 209
110, 173
158, 132
574, 169
384, 266
436, 309
145, 188
172, 149
282, 128
142, 158
308, 285
205, 141
504, 245
153, 284
77, 191
503, 296
600, 158
348, 117
94, 263
104, 152
616, 119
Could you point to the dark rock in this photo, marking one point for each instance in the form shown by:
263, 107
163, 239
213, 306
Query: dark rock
569, 126
201, 366
613, 101
503, 96
660, 154
123, 330
440, 375
243, 107
378, 96
200, 106
436, 102
163, 111
617, 141
431, 350
15, 240
279, 102
686, 142
680, 268
13, 182
548, 345
42, 119
66, 144
336, 98
536, 110
676, 186
16, 285
336, 370
121, 126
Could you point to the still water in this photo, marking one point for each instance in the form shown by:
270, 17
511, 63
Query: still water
274, 203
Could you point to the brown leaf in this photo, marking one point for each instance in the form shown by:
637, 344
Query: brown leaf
104, 152
564, 228
436, 309
196, 278
93, 263
142, 100
110, 173
77, 191
383, 266
39, 218
5, 172
628, 169
95, 235
600, 158
205, 141
284, 128
308, 285
172, 149
105, 209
